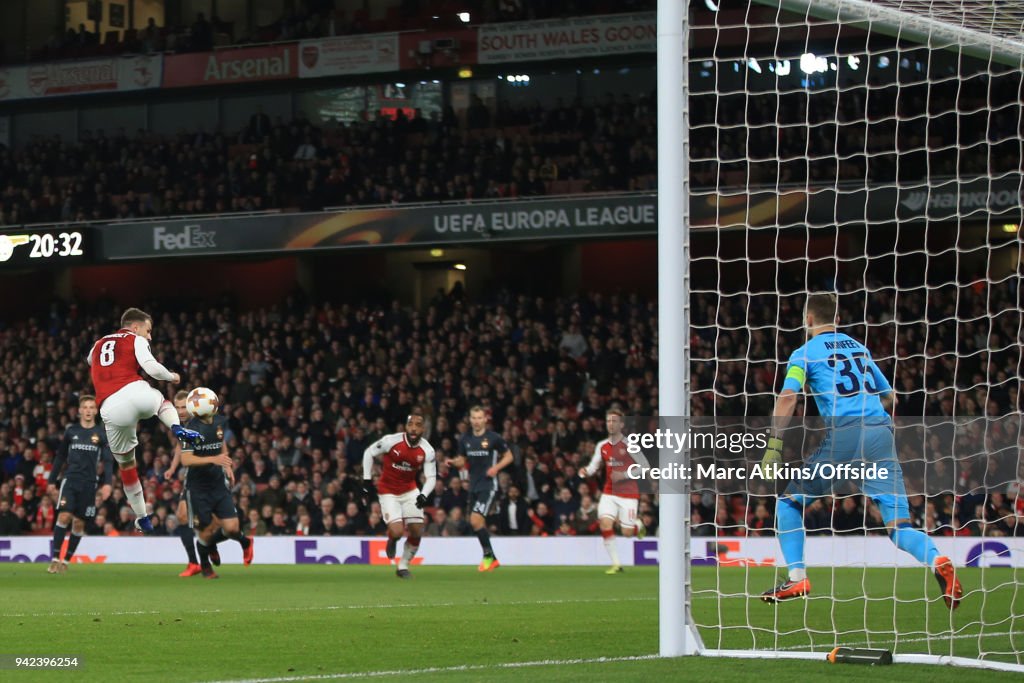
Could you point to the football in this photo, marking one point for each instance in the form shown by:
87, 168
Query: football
202, 402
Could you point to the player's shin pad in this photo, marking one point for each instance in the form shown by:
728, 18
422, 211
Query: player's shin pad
125, 460
133, 490
167, 414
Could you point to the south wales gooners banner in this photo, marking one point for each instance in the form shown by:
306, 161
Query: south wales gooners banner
574, 38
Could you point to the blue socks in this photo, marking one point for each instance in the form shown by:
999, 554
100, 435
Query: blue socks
789, 517
916, 542
790, 521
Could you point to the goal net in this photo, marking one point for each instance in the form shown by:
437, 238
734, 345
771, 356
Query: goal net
874, 150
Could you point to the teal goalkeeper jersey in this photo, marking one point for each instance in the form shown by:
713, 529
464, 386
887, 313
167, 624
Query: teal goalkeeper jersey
841, 376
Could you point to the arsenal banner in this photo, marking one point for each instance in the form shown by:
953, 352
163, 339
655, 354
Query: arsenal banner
80, 77
348, 55
243, 65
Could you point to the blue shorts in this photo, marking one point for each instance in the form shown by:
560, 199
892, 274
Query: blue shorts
857, 446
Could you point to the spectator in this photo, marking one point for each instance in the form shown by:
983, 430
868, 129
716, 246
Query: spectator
543, 520
438, 524
513, 514
306, 151
457, 523
10, 523
202, 34
254, 524
455, 496
586, 516
45, 516
273, 495
565, 506
477, 115
279, 525
375, 525
650, 523
85, 37
303, 526
259, 126
573, 342
151, 37
848, 518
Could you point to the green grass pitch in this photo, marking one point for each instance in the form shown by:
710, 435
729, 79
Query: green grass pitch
333, 622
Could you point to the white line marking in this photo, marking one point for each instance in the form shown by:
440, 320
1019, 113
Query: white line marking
885, 640
328, 608
441, 669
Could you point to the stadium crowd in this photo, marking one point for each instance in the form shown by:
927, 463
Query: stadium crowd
314, 19
875, 130
507, 151
307, 387
297, 165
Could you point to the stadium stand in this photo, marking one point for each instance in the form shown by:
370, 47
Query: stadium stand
307, 387
512, 152
312, 19
300, 166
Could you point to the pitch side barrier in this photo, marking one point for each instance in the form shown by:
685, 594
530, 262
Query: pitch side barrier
845, 551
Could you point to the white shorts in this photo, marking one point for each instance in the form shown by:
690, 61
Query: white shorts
122, 411
618, 508
396, 508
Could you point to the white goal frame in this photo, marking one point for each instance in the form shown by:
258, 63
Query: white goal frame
678, 633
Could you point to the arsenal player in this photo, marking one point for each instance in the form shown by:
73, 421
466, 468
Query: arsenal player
403, 455
621, 494
117, 362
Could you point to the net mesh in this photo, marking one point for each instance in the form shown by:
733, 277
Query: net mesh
1003, 18
840, 158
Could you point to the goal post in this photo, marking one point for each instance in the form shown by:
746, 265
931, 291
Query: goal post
678, 634
874, 149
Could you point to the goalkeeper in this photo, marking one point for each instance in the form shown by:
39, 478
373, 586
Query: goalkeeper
855, 400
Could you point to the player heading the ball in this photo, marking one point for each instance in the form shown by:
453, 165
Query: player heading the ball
184, 531
208, 483
855, 399
117, 362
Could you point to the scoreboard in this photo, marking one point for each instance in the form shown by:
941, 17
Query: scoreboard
24, 248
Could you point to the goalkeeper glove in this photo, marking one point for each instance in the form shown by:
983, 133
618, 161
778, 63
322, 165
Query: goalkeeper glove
772, 457
421, 501
369, 490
